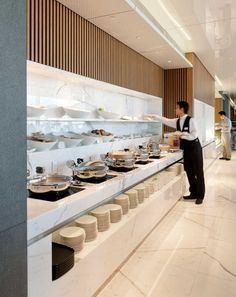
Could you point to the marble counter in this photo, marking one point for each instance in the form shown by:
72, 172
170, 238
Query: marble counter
45, 217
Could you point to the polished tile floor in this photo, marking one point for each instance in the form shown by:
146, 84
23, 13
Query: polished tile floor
192, 252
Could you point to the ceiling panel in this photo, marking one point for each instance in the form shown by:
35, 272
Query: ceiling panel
96, 8
211, 26
118, 19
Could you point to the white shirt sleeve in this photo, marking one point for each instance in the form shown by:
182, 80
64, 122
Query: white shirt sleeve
192, 131
166, 121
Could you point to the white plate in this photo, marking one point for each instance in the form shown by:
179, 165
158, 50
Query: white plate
35, 110
40, 146
54, 112
108, 115
77, 113
71, 142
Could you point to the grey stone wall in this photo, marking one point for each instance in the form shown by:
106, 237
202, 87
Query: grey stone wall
13, 256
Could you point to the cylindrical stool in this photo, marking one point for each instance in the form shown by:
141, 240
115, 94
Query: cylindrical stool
103, 218
115, 212
133, 198
73, 237
123, 201
89, 224
141, 193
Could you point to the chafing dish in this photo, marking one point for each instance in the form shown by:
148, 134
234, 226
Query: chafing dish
87, 170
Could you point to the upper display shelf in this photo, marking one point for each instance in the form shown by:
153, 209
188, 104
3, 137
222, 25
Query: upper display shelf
89, 120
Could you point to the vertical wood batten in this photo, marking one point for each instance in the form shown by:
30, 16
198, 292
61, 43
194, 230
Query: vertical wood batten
60, 38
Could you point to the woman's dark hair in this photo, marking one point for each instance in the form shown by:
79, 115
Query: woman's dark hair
184, 105
222, 113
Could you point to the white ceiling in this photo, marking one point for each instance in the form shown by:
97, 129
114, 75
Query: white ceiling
206, 27
211, 25
123, 21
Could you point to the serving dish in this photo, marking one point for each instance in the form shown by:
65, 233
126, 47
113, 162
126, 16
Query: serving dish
35, 110
77, 113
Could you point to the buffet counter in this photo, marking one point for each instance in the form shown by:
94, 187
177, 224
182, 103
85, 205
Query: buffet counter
45, 217
98, 259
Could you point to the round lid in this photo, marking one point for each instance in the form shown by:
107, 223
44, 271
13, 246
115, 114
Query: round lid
87, 219
72, 232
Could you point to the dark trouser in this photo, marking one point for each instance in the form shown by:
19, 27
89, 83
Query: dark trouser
193, 165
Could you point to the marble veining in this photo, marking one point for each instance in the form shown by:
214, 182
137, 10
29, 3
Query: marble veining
221, 265
44, 216
191, 253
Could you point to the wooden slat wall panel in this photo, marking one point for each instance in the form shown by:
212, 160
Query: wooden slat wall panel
203, 82
60, 38
177, 86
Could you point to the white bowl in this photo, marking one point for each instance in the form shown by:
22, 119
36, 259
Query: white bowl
54, 112
107, 138
109, 115
71, 142
77, 113
40, 146
87, 139
35, 110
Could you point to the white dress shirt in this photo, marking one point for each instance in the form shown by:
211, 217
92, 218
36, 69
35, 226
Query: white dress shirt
173, 123
226, 125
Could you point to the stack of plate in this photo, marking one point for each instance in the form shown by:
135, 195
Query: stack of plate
156, 182
89, 224
141, 193
73, 237
115, 212
150, 186
133, 198
103, 218
123, 201
147, 194
177, 168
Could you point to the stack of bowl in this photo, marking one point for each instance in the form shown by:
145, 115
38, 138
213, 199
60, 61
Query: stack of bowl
103, 218
133, 198
89, 224
123, 201
73, 237
115, 212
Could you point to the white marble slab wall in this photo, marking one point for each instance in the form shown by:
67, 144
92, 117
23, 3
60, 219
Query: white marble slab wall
49, 86
54, 161
205, 118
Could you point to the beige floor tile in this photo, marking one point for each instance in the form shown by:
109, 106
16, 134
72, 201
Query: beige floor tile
207, 286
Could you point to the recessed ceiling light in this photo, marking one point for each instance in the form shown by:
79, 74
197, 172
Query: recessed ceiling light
169, 61
138, 37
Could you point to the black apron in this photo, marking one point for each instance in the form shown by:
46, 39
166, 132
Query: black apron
193, 161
